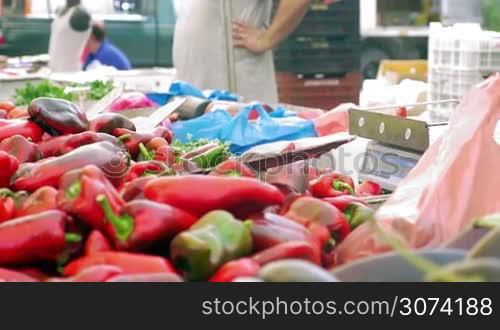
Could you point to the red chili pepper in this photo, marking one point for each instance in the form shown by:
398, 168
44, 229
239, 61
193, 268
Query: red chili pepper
9, 165
233, 270
50, 147
142, 223
233, 167
157, 149
332, 185
135, 189
147, 168
22, 149
26, 128
40, 237
7, 205
288, 250
310, 211
95, 274
104, 155
44, 199
11, 276
79, 191
369, 188
132, 140
242, 196
129, 263
107, 122
97, 242
147, 278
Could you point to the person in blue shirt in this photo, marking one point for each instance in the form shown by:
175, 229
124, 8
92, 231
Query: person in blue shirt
100, 49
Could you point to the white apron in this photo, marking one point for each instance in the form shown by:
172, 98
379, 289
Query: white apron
66, 45
203, 50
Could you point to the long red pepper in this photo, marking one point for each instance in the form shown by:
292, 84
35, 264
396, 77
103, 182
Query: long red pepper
7, 205
95, 274
332, 185
9, 165
202, 194
44, 199
132, 140
288, 250
129, 263
135, 189
22, 149
78, 193
26, 128
97, 242
104, 155
232, 270
141, 223
233, 167
40, 237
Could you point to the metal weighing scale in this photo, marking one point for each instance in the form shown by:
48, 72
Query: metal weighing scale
396, 144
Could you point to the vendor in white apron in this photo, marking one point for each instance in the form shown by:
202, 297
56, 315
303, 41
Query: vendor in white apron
227, 44
69, 34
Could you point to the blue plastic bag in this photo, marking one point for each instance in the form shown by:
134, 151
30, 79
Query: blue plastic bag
177, 88
221, 95
244, 135
209, 126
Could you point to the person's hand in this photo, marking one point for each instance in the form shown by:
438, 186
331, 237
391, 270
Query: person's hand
245, 36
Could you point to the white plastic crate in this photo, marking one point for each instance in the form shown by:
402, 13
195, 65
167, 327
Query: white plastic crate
460, 56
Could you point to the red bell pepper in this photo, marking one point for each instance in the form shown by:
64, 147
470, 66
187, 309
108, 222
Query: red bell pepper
7, 205
369, 188
95, 274
233, 167
233, 270
41, 237
355, 210
22, 149
157, 149
129, 263
132, 140
147, 278
26, 128
142, 223
242, 196
78, 193
110, 158
9, 165
11, 276
97, 242
135, 189
310, 211
288, 250
332, 185
44, 199
147, 168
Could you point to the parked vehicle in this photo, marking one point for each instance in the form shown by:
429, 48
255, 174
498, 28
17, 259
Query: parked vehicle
25, 27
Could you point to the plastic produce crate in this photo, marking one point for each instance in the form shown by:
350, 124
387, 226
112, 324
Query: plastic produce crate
320, 92
460, 56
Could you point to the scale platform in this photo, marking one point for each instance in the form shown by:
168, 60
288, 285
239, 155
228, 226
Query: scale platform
395, 145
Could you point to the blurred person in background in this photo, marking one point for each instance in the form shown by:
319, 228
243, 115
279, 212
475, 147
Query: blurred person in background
100, 51
201, 53
69, 33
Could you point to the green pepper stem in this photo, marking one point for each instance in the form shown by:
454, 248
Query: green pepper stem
125, 137
6, 193
124, 225
74, 190
73, 238
343, 186
424, 265
145, 152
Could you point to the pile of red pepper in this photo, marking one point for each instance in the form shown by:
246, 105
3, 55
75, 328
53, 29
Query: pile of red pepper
97, 201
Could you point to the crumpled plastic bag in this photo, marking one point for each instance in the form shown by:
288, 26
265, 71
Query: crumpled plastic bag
454, 182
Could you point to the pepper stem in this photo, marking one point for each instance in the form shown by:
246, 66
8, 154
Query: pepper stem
488, 223
124, 225
74, 190
73, 238
125, 137
145, 152
6, 193
343, 186
424, 265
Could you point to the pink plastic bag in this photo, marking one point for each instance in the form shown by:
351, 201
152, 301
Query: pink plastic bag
454, 182
132, 101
